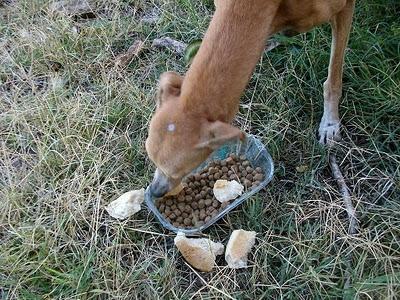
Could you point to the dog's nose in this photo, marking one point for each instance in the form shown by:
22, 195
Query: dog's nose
158, 190
160, 184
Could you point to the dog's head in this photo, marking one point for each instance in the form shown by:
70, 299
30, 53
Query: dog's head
179, 140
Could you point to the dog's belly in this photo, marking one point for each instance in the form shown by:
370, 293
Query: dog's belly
296, 16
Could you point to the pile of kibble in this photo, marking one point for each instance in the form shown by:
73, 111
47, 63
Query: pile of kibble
195, 205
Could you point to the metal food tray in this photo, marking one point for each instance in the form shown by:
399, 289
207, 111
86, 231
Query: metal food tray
258, 156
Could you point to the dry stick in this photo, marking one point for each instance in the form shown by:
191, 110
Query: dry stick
351, 212
338, 176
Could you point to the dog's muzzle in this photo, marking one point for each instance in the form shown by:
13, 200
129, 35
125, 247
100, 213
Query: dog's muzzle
160, 184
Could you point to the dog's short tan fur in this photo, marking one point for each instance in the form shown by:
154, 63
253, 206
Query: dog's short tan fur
193, 112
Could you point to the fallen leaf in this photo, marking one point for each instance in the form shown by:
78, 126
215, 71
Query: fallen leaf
133, 51
71, 7
171, 44
191, 51
301, 168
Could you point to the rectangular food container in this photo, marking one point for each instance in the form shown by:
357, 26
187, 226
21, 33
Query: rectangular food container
258, 156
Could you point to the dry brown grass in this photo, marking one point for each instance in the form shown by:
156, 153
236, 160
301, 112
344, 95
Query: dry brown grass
72, 129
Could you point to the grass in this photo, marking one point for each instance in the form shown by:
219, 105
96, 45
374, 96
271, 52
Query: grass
72, 131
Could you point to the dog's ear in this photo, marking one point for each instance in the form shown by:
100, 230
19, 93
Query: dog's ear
215, 134
169, 87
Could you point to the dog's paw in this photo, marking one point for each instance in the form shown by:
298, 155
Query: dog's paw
329, 132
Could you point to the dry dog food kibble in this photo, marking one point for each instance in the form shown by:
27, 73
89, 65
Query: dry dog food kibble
195, 204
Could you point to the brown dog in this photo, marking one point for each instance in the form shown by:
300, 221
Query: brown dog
194, 112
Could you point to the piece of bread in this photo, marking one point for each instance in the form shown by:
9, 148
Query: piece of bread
126, 205
199, 253
225, 190
239, 246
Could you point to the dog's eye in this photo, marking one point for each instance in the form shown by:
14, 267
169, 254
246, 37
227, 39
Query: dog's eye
171, 127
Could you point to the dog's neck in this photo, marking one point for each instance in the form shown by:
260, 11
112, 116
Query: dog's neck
227, 56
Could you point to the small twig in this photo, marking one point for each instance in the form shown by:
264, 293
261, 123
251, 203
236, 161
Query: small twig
338, 176
351, 212
134, 50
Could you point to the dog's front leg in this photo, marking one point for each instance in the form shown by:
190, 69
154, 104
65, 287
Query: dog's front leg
330, 122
